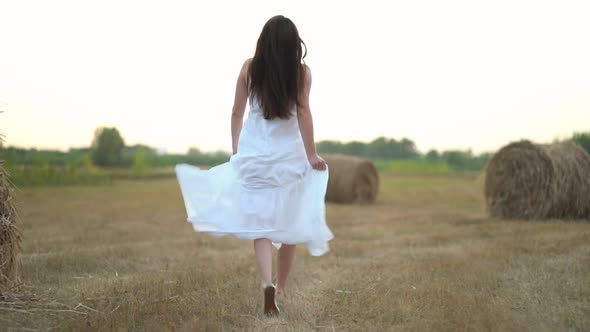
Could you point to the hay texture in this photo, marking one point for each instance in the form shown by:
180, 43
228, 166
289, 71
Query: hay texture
530, 181
9, 235
352, 180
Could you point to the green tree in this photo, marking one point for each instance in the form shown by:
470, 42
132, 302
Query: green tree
379, 148
88, 166
107, 146
193, 151
329, 147
408, 148
456, 159
139, 166
582, 139
354, 148
432, 155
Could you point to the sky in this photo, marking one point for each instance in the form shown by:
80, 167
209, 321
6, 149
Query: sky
446, 74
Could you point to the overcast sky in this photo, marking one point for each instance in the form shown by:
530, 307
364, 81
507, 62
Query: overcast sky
447, 74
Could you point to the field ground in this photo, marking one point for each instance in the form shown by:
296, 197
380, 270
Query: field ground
426, 257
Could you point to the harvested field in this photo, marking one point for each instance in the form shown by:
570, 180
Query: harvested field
424, 257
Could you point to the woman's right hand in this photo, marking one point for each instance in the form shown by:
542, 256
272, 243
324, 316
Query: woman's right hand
317, 162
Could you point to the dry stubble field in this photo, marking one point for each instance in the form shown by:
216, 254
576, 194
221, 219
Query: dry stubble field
426, 257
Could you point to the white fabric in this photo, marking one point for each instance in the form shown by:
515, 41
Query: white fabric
266, 190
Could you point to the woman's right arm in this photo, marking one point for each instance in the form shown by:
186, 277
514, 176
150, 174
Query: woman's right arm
306, 125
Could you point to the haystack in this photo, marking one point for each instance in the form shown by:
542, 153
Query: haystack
9, 234
530, 181
352, 179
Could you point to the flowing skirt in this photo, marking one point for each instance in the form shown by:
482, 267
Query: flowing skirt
266, 190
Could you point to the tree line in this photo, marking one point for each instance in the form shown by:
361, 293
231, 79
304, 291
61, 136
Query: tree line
389, 149
108, 149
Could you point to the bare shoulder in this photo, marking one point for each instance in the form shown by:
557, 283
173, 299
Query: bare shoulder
307, 74
246, 64
245, 68
307, 71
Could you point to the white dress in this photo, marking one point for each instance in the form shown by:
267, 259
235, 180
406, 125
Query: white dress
266, 190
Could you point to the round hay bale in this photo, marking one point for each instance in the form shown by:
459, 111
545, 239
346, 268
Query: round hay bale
530, 181
352, 179
9, 235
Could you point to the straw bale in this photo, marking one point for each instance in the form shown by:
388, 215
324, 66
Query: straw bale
9, 234
530, 181
352, 179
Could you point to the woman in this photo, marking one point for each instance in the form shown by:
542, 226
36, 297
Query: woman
272, 190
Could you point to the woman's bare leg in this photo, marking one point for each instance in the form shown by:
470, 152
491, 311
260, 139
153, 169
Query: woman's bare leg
285, 261
263, 250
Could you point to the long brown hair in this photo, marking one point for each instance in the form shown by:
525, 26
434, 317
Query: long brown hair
276, 71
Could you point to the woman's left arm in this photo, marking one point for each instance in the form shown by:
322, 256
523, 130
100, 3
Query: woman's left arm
240, 99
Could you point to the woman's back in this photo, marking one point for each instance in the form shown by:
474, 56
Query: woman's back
269, 151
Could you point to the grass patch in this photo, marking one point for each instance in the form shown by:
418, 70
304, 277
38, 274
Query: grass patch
425, 257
